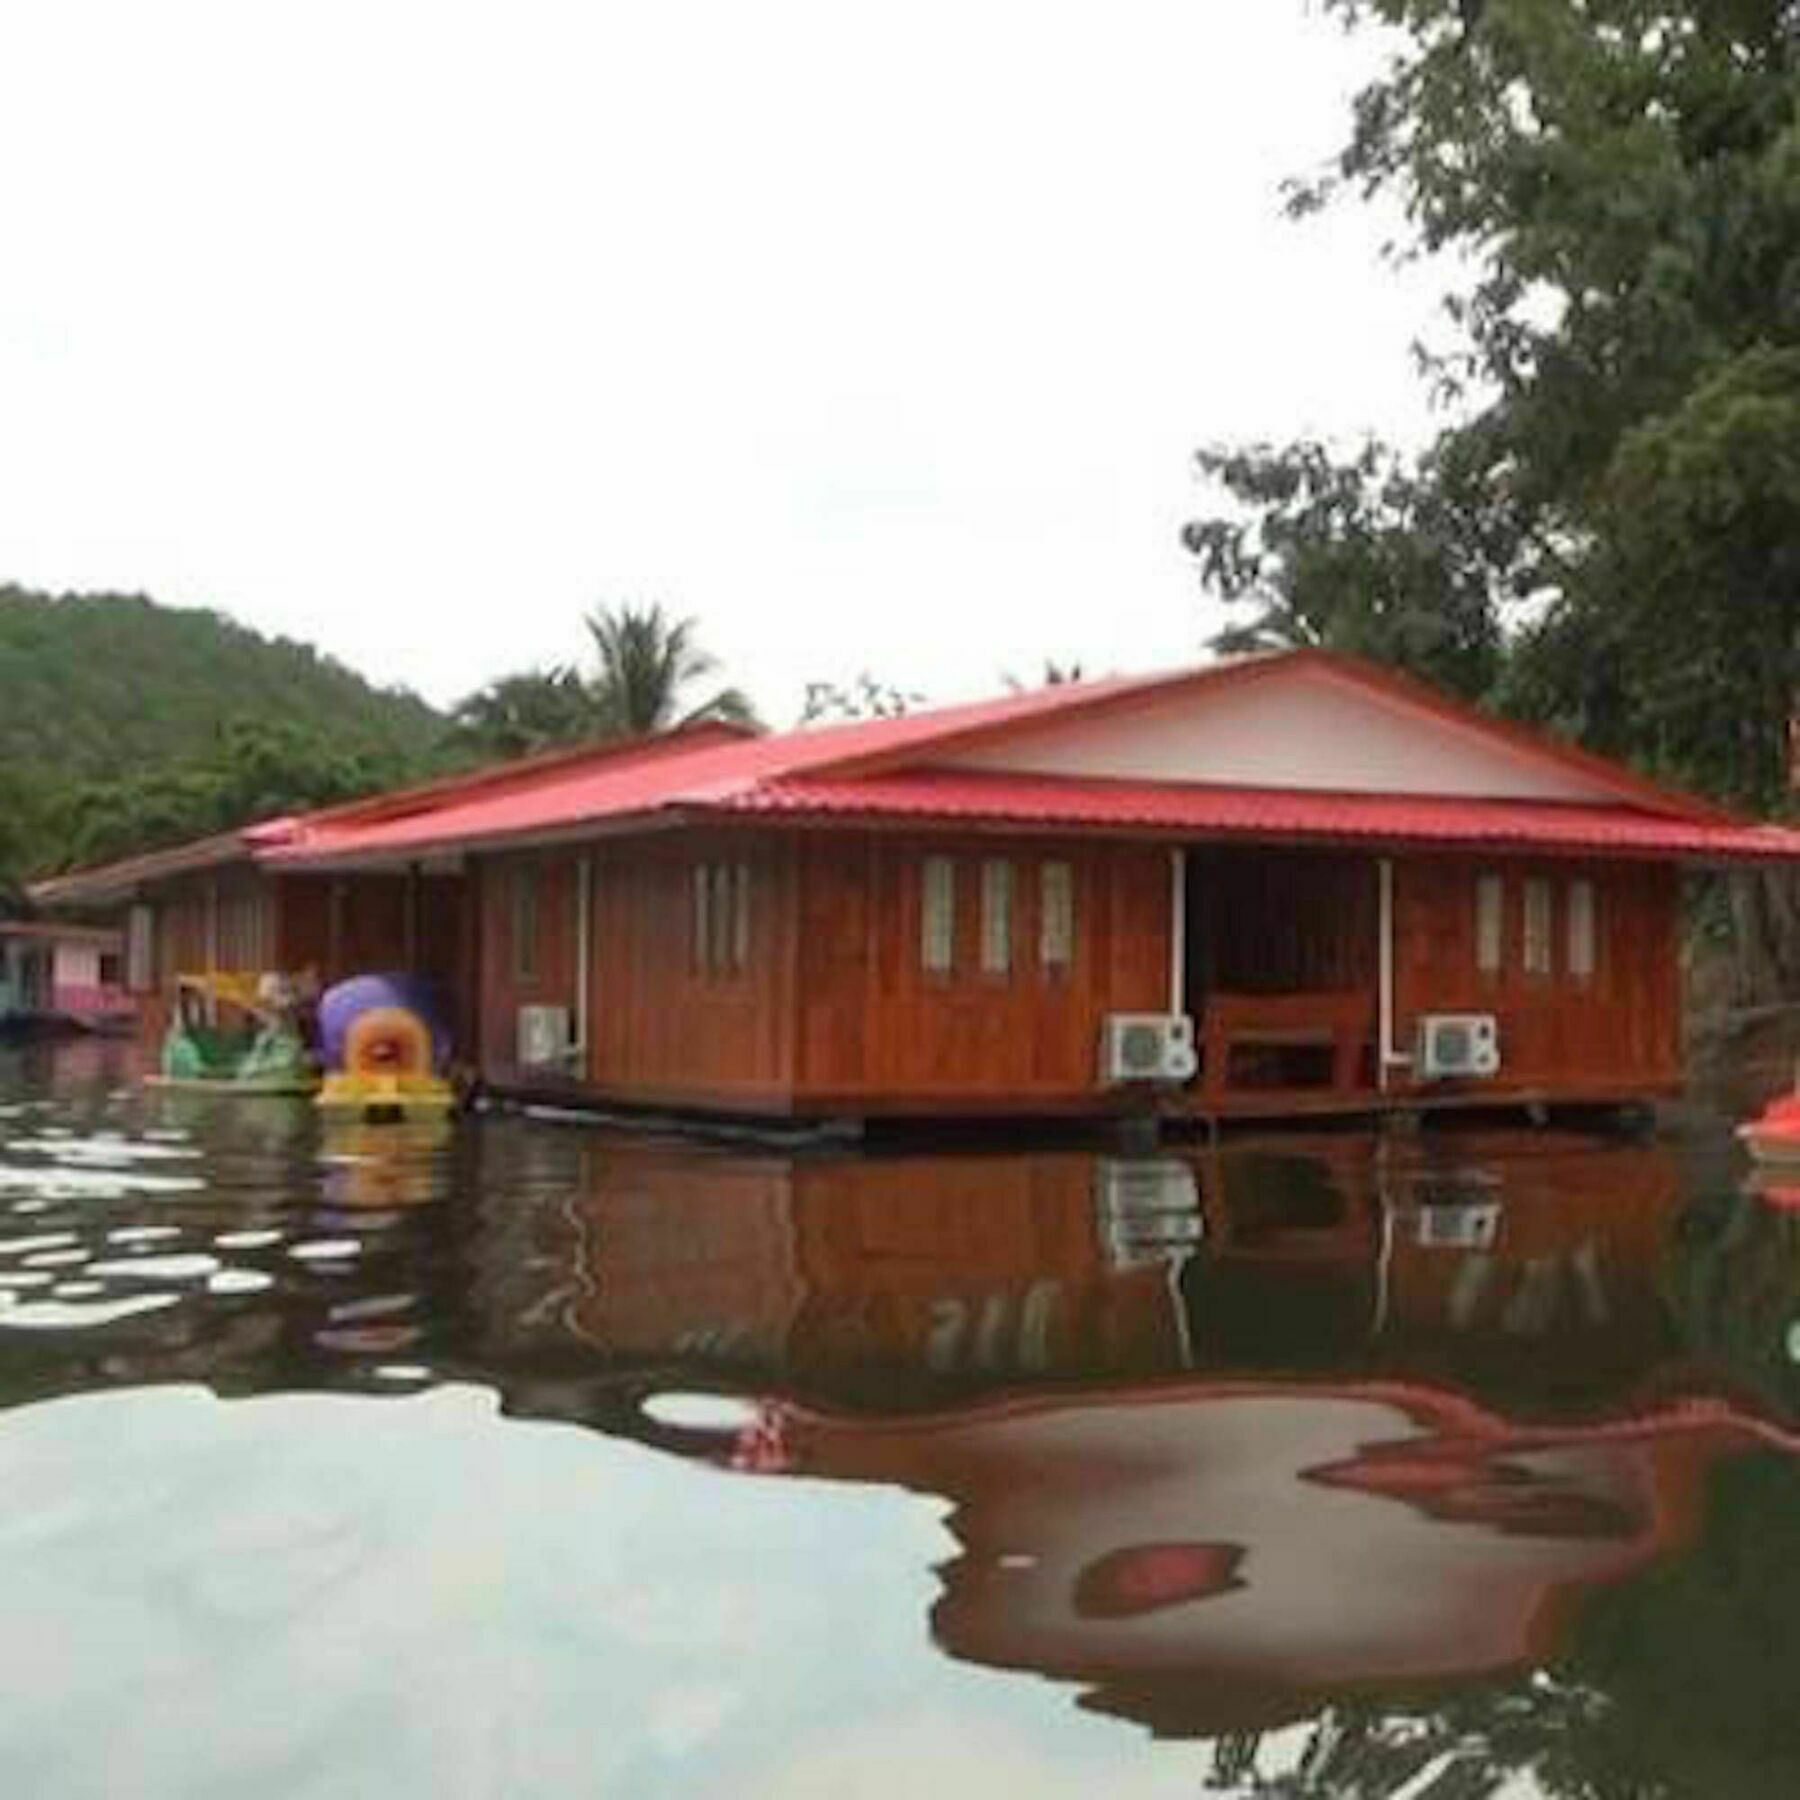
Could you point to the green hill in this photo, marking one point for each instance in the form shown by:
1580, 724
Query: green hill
124, 724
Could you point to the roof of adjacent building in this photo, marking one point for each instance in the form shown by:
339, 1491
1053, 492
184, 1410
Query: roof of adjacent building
948, 766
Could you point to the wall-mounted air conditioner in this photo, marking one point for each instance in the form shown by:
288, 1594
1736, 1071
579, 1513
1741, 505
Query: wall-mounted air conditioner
543, 1036
1148, 1047
1452, 1044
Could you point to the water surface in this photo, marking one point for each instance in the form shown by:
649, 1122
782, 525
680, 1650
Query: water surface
522, 1459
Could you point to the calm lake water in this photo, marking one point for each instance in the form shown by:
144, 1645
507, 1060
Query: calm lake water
525, 1459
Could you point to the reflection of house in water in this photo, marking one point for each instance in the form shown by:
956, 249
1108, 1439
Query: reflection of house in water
896, 1280
1254, 1472
949, 1268
1218, 1555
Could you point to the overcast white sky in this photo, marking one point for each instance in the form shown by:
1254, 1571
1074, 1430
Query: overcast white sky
875, 336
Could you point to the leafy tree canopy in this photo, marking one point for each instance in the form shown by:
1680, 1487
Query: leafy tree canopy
126, 725
1603, 537
647, 666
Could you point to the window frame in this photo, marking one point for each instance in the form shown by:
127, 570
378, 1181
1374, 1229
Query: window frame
1056, 916
720, 898
1581, 929
1537, 928
999, 911
937, 916
1490, 923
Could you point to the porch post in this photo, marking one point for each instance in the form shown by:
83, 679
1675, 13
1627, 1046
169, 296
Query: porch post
1387, 1058
1178, 931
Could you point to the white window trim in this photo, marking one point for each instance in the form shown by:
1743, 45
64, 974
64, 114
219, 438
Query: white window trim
937, 915
998, 885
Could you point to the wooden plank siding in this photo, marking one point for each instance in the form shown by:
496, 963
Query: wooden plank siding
1616, 1031
664, 1027
833, 1011
879, 1032
244, 919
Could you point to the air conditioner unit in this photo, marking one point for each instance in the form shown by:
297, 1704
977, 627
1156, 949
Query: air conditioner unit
1148, 1047
543, 1036
1451, 1044
1147, 1208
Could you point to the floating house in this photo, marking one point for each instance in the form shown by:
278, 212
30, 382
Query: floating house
59, 975
1280, 885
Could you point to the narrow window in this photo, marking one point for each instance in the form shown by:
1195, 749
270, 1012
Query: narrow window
1536, 945
1056, 916
719, 958
109, 968
937, 915
1490, 917
740, 919
700, 947
1581, 930
140, 950
996, 916
525, 924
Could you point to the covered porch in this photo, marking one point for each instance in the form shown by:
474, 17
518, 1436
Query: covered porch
1282, 958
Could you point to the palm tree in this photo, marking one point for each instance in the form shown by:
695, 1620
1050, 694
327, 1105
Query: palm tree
647, 664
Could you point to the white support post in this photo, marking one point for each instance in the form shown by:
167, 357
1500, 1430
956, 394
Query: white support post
1387, 1057
1178, 860
584, 925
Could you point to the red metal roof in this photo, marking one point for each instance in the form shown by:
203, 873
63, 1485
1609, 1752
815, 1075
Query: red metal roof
869, 771
1033, 802
701, 773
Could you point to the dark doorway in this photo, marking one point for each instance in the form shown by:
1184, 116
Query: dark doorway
1295, 928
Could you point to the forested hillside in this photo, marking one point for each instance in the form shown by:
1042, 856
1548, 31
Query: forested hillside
124, 724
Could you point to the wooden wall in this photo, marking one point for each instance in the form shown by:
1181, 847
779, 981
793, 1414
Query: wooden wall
224, 920
1616, 1031
663, 1029
343, 925
832, 1010
244, 919
876, 1030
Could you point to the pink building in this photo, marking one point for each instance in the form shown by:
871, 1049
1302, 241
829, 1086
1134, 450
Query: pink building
62, 973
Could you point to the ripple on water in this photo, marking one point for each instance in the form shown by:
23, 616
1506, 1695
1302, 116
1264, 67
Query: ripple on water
55, 1259
181, 1266
62, 1182
68, 1315
246, 1240
44, 1240
318, 1250
239, 1281
101, 1149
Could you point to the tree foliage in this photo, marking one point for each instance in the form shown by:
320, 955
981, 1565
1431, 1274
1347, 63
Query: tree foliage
1364, 555
1608, 523
647, 666
127, 725
531, 711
